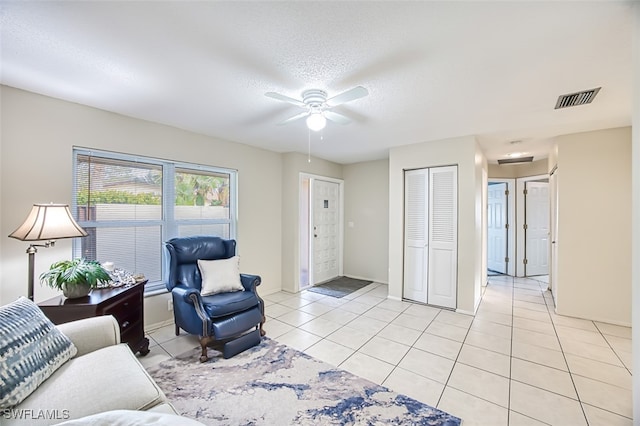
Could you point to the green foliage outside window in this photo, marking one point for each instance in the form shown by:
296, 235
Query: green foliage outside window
191, 190
118, 197
200, 190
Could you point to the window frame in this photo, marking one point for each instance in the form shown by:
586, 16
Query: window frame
168, 224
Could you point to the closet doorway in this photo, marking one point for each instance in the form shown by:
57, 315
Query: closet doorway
536, 228
533, 220
501, 221
431, 236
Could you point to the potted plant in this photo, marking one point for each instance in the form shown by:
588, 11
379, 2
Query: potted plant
75, 277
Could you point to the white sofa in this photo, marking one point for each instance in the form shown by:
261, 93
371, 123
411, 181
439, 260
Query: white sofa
103, 376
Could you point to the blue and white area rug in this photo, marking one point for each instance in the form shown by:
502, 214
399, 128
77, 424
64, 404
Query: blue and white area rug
273, 384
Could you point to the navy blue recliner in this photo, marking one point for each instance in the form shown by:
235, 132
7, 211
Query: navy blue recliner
222, 316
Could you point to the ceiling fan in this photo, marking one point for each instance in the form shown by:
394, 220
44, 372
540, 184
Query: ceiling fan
318, 107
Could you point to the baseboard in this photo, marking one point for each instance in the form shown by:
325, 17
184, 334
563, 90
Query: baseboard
397, 299
152, 327
277, 290
365, 279
606, 321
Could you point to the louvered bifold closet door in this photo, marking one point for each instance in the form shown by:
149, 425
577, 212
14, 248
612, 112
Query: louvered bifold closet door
416, 208
443, 236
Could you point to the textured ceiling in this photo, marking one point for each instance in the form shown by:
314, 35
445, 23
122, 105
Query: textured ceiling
433, 70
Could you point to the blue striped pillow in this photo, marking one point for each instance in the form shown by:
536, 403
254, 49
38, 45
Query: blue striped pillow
31, 349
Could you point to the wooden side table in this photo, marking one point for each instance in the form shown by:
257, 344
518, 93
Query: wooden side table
125, 303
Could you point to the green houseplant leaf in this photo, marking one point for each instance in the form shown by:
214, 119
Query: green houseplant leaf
75, 272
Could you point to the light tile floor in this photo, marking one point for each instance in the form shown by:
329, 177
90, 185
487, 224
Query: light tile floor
514, 363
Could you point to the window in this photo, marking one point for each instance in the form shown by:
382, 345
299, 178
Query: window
129, 205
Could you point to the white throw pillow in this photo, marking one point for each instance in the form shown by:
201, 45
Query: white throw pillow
220, 276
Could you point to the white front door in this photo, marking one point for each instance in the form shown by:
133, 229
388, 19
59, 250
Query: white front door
416, 183
537, 228
325, 229
497, 227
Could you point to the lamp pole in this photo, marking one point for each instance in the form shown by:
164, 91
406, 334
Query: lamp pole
31, 251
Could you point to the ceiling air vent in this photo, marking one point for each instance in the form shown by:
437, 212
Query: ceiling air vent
515, 160
575, 99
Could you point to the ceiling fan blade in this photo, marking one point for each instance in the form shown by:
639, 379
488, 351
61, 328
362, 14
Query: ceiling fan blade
284, 98
335, 117
294, 118
348, 96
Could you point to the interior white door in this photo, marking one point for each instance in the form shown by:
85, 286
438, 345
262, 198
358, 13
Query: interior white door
443, 236
537, 228
416, 234
553, 267
326, 230
497, 227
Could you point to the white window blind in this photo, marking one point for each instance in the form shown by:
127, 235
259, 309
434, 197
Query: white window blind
129, 205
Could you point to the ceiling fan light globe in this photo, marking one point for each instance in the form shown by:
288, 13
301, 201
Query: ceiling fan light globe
316, 121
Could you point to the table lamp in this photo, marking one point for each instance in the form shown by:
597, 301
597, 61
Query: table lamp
48, 222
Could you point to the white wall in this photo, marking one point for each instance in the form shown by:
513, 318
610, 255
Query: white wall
482, 193
636, 211
1, 215
594, 219
466, 154
366, 202
292, 165
38, 134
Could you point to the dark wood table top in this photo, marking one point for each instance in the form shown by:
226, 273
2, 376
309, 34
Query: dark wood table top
97, 296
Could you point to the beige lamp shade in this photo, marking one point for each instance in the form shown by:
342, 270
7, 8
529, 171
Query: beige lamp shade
48, 222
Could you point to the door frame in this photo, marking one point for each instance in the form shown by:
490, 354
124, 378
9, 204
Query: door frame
305, 234
535, 265
553, 228
511, 218
520, 218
